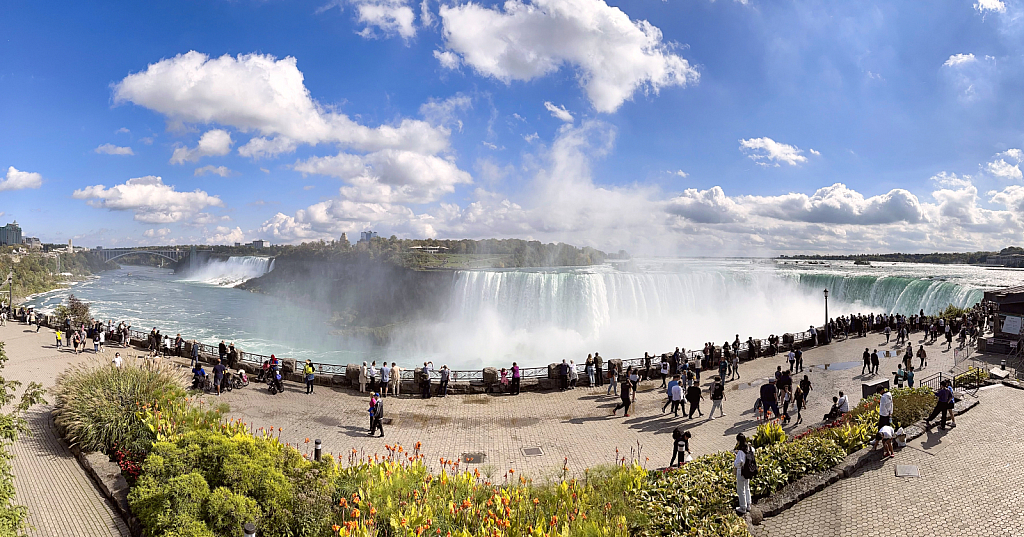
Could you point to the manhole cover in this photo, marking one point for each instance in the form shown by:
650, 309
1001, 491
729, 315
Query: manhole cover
474, 458
907, 470
532, 451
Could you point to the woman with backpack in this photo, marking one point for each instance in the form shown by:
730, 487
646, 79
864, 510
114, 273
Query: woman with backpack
746, 468
717, 396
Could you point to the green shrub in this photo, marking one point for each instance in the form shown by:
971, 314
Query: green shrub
226, 511
99, 406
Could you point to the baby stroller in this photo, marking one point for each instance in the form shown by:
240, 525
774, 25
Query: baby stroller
241, 380
262, 377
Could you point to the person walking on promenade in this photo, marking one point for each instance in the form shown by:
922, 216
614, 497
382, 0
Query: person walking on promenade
680, 446
910, 376
626, 399
647, 367
574, 375
735, 367
396, 379
791, 357
799, 399
723, 368
673, 399
103, 337
371, 375
57, 333
664, 369
376, 415
363, 377
769, 398
442, 387
385, 379
309, 376
888, 332
746, 469
218, 374
944, 405
598, 362
117, 360
613, 380
717, 393
222, 350
694, 397
634, 378
589, 368
563, 375
785, 397
875, 362
922, 355
867, 362
799, 359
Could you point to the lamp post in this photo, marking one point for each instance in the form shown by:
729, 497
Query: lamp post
828, 336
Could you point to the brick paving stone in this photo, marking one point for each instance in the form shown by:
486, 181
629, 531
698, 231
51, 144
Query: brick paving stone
61, 498
968, 484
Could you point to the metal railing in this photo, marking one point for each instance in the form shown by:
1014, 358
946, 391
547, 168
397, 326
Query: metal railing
476, 375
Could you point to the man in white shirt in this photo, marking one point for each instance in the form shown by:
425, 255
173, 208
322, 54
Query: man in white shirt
385, 379
843, 404
117, 360
885, 408
677, 396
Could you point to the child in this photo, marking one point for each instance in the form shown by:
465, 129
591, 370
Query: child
885, 434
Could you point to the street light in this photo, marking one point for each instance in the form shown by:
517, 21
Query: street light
828, 336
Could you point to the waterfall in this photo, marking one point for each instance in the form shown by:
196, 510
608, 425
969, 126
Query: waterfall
233, 270
894, 294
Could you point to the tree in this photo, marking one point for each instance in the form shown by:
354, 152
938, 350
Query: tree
76, 310
12, 516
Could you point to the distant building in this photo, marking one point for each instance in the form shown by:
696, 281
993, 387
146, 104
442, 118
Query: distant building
237, 244
367, 236
33, 243
430, 249
344, 237
10, 235
259, 243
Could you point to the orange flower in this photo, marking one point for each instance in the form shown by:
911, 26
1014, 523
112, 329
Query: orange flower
355, 513
373, 511
536, 501
307, 440
343, 502
335, 528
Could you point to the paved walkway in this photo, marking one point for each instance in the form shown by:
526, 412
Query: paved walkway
573, 427
969, 484
61, 498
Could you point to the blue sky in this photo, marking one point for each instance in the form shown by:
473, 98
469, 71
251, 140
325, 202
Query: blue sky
679, 127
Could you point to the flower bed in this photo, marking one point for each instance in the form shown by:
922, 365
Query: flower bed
206, 476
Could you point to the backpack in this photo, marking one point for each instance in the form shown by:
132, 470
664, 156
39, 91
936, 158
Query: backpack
718, 392
749, 469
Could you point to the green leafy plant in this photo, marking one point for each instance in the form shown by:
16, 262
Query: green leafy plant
75, 310
768, 434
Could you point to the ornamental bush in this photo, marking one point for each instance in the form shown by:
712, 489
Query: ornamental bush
99, 406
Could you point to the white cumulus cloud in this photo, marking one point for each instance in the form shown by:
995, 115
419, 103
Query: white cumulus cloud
157, 233
957, 60
389, 17
614, 55
257, 92
768, 152
149, 199
213, 143
18, 180
222, 171
558, 112
997, 6
111, 149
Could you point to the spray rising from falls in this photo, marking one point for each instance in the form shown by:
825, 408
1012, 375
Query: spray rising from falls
233, 270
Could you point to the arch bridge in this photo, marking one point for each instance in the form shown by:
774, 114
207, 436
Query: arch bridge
114, 253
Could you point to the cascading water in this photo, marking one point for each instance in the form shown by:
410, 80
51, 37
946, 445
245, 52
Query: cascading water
233, 270
894, 294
